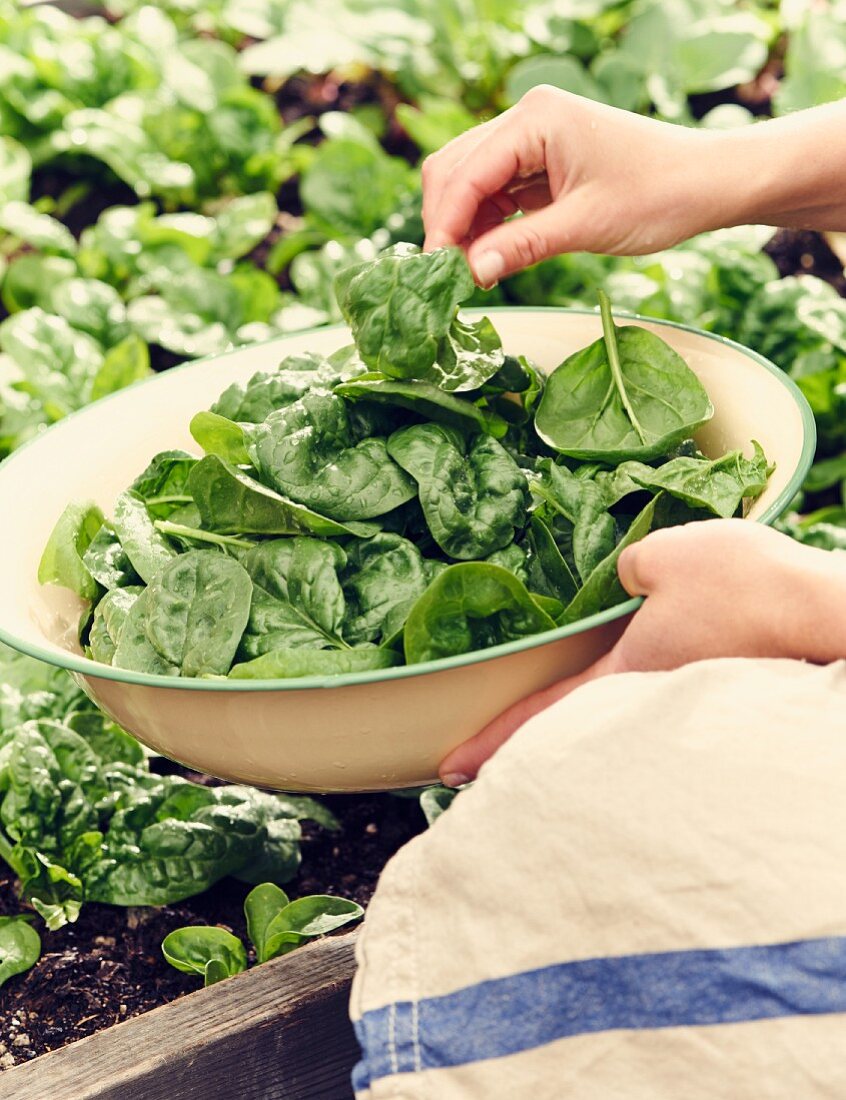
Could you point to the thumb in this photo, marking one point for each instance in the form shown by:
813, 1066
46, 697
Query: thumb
520, 242
633, 569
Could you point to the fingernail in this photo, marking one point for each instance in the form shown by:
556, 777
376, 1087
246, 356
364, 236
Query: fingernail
488, 268
454, 779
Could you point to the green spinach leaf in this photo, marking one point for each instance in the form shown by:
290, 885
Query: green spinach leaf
296, 599
425, 399
197, 610
602, 588
382, 579
229, 500
63, 559
20, 947
287, 664
403, 311
213, 953
147, 549
473, 495
307, 451
628, 395
470, 606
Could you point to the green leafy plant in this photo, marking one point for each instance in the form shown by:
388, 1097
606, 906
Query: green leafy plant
82, 816
628, 395
275, 926
20, 947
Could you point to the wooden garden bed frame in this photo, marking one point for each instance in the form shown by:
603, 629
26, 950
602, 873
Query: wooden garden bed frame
277, 1032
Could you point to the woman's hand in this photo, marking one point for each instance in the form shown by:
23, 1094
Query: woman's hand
587, 176
593, 178
721, 588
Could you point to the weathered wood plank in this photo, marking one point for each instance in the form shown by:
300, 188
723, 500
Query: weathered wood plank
277, 1032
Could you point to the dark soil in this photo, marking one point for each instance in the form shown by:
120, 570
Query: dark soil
802, 252
108, 966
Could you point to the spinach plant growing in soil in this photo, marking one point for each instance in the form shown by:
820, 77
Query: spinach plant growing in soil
418, 494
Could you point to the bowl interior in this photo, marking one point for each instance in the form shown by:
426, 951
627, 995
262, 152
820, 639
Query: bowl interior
97, 452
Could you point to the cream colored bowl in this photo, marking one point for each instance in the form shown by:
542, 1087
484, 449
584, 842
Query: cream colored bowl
366, 731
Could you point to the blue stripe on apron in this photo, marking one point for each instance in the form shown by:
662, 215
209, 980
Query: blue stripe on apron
628, 992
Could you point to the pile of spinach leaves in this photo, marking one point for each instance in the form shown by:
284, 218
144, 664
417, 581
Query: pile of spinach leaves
418, 494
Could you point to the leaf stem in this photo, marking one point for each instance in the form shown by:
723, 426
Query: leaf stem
168, 528
609, 334
174, 498
7, 853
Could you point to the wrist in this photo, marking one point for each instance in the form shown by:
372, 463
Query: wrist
717, 186
812, 618
774, 172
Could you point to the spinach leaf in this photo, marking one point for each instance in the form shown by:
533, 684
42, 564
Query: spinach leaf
133, 649
163, 486
25, 223
602, 588
109, 742
382, 579
425, 399
296, 598
275, 855
435, 801
374, 184
107, 562
168, 839
306, 918
261, 905
583, 503
147, 549
63, 559
229, 500
90, 306
242, 224
30, 278
197, 610
110, 617
52, 803
718, 485
222, 437
403, 311
276, 925
20, 947
57, 362
195, 537
211, 952
267, 391
470, 606
15, 169
101, 646
286, 664
307, 452
473, 494
123, 364
548, 572
628, 395
53, 891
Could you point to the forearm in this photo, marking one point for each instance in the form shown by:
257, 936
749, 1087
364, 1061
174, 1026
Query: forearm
789, 171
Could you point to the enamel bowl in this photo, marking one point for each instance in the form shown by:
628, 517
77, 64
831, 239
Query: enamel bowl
363, 731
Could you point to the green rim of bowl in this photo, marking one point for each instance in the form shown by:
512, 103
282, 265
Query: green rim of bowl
82, 665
